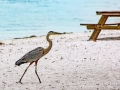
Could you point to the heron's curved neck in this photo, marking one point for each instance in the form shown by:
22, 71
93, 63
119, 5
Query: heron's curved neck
50, 44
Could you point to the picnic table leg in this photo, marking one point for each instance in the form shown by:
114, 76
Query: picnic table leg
97, 31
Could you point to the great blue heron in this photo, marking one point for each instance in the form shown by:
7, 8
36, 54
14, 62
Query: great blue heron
35, 55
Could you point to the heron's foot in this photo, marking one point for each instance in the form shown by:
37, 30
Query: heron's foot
19, 82
40, 81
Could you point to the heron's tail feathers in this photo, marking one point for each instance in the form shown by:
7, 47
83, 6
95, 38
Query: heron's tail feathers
19, 62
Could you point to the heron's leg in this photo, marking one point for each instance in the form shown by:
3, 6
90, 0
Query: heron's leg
36, 70
24, 73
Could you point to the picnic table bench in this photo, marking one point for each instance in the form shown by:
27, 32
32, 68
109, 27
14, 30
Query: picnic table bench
101, 23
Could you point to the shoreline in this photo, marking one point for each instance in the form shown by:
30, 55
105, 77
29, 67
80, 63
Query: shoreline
28, 37
103, 36
73, 63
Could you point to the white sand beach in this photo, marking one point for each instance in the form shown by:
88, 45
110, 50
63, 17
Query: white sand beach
74, 63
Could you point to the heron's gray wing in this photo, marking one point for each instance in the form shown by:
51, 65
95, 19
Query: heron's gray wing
31, 56
35, 54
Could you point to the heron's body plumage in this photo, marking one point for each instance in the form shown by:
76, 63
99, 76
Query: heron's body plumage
31, 56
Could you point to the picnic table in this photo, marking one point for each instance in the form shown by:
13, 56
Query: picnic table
102, 25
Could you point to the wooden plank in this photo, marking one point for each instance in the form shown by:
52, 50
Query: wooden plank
97, 31
105, 27
108, 12
111, 14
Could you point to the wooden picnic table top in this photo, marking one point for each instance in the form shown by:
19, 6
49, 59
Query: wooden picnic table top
108, 13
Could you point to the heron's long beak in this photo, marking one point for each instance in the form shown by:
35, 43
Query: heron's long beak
57, 33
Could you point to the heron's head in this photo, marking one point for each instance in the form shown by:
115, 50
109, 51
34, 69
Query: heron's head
54, 33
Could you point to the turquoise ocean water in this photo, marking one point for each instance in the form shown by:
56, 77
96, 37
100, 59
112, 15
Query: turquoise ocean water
20, 18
